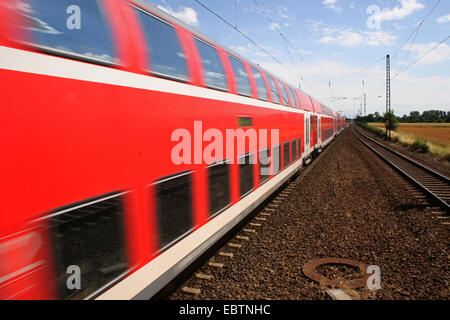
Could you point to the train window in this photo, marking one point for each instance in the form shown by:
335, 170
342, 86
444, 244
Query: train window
287, 154
89, 236
293, 99
284, 94
219, 187
294, 150
319, 127
264, 165
260, 84
212, 66
174, 201
241, 76
299, 148
297, 98
276, 159
246, 173
307, 131
74, 28
274, 90
164, 50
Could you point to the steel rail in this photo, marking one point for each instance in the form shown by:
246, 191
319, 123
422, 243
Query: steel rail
413, 177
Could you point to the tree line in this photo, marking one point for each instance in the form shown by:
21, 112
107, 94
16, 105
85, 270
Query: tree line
434, 116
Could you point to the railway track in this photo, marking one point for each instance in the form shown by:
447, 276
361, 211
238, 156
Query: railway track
243, 233
263, 258
431, 183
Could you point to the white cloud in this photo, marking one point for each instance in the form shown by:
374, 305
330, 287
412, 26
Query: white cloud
250, 51
283, 12
351, 38
406, 8
439, 54
185, 14
333, 5
444, 19
313, 25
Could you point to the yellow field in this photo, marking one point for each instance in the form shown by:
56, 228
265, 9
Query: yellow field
437, 135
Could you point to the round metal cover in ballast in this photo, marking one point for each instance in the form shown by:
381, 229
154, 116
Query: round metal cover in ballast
309, 270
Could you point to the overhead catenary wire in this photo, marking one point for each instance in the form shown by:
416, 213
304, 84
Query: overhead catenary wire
413, 63
413, 34
358, 72
255, 43
416, 29
274, 25
422, 56
247, 37
286, 43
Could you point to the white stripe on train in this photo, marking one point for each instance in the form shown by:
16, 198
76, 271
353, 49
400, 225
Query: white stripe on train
43, 64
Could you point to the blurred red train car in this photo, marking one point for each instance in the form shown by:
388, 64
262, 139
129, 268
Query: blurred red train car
93, 204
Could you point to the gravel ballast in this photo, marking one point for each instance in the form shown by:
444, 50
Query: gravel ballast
350, 205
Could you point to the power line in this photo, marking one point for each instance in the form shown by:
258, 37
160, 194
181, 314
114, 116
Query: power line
413, 33
246, 37
412, 42
358, 72
421, 57
274, 25
286, 43
416, 30
412, 63
256, 44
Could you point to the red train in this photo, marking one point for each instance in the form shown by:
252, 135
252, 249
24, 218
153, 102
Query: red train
101, 195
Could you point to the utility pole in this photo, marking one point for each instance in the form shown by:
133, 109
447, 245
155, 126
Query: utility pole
364, 94
388, 96
365, 105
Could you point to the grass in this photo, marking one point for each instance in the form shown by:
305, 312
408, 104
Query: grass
423, 137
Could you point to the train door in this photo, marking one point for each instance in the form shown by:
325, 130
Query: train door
319, 129
307, 136
313, 125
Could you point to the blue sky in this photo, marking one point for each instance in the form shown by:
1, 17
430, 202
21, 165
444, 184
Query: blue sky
335, 45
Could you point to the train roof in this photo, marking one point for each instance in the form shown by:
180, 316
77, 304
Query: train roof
305, 100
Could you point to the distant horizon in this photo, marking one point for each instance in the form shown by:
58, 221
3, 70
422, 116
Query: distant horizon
405, 114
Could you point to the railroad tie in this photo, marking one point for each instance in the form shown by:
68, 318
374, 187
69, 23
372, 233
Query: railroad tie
204, 276
235, 245
242, 238
215, 264
191, 290
226, 254
255, 224
265, 214
249, 230
338, 294
261, 219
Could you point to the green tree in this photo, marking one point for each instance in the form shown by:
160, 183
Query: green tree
392, 121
